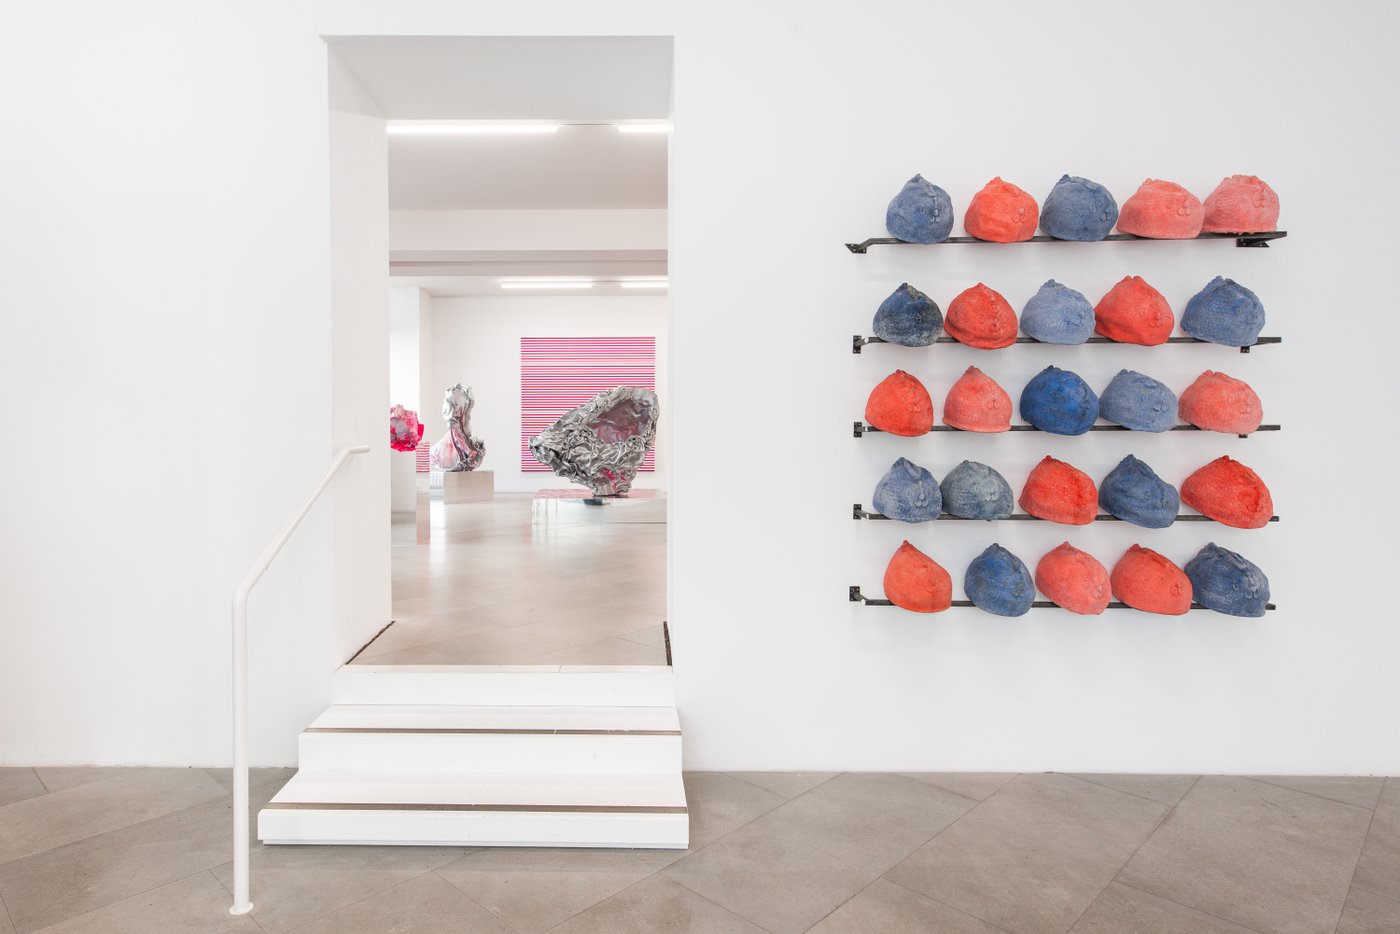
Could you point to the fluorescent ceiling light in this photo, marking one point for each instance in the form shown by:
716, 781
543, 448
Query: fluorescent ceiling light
644, 128
469, 129
546, 284
644, 283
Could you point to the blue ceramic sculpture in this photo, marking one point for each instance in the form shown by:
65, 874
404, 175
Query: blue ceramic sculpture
1138, 402
1227, 582
921, 213
908, 492
1133, 492
999, 582
1059, 402
976, 491
908, 317
1058, 314
1224, 312
1078, 209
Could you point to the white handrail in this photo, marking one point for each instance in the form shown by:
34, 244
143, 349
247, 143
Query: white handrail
241, 904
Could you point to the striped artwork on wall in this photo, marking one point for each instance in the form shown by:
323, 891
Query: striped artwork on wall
560, 373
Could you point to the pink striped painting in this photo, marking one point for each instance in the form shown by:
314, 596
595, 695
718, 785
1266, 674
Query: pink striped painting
560, 373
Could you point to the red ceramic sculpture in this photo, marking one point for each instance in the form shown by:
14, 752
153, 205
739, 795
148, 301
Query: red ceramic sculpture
1002, 213
1217, 402
1241, 204
1074, 580
1230, 493
1147, 581
1161, 210
977, 403
900, 405
916, 582
1133, 312
1061, 493
979, 317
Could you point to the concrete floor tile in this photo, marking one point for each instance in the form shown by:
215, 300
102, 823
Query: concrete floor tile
16, 784
256, 777
1368, 913
533, 901
57, 778
1164, 789
656, 906
52, 820
425, 904
196, 904
6, 927
294, 885
1033, 856
1266, 857
564, 859
719, 803
787, 784
893, 909
72, 880
1121, 908
1378, 870
652, 636
979, 786
612, 651
1360, 790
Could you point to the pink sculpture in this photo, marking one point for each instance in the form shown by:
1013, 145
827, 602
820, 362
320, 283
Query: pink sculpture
457, 450
1002, 213
1161, 210
1241, 204
405, 431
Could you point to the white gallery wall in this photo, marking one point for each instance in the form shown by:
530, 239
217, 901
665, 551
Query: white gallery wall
476, 340
792, 132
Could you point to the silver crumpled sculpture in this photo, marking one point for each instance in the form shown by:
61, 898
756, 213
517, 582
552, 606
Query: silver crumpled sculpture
457, 450
602, 442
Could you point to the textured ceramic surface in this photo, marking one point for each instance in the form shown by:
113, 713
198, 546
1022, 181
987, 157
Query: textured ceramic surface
1148, 581
921, 213
900, 405
1002, 212
1074, 580
1059, 402
1060, 492
908, 493
908, 317
1133, 312
999, 582
1138, 402
1133, 492
1217, 402
980, 317
1227, 582
1057, 314
916, 582
973, 490
1078, 209
977, 403
1241, 204
1161, 210
1230, 493
1224, 312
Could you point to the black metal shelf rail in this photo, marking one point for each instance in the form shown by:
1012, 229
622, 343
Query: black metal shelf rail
858, 341
858, 597
859, 512
861, 429
1257, 240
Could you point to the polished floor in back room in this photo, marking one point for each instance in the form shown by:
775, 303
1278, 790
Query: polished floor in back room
521, 580
146, 851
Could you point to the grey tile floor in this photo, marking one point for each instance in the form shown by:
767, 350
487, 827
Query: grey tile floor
145, 851
493, 587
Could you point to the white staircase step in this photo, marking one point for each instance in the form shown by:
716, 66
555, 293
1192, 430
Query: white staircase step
415, 738
500, 685
491, 809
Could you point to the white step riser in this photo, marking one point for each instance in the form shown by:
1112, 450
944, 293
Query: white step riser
474, 828
488, 752
409, 684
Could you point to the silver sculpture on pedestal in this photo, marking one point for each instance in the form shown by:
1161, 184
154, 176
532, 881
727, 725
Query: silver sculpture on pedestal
602, 442
457, 450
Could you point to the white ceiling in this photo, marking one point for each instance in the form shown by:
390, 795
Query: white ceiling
585, 82
577, 167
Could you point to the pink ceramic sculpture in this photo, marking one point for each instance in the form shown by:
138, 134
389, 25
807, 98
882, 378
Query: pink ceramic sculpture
977, 403
1147, 581
1002, 213
916, 582
405, 431
1133, 312
900, 405
980, 317
1230, 493
1074, 580
1241, 204
1217, 402
1060, 492
1161, 210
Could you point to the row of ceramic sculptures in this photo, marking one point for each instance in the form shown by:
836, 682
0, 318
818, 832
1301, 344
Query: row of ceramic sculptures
602, 442
1061, 402
1132, 312
1079, 209
1224, 490
998, 582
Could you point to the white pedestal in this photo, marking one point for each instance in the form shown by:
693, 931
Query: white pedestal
470, 486
424, 510
579, 506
